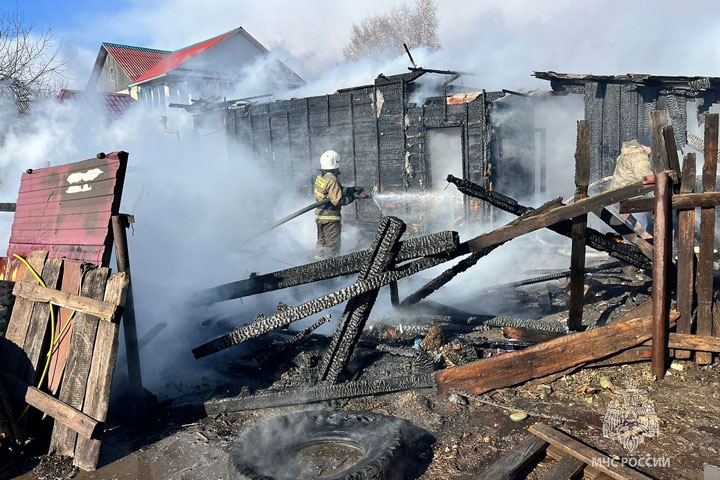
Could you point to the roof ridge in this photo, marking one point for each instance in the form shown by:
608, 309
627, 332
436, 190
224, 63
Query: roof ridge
132, 47
237, 29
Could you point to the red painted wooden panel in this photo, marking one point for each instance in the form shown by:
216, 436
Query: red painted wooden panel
66, 209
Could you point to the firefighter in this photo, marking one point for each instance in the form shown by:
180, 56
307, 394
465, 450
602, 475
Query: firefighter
631, 166
633, 163
328, 217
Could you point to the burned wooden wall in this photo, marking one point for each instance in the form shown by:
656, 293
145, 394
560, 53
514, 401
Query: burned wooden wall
617, 108
377, 130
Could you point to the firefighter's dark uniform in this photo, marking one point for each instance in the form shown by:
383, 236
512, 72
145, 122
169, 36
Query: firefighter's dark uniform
328, 217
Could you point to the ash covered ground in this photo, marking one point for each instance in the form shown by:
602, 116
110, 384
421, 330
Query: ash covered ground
467, 432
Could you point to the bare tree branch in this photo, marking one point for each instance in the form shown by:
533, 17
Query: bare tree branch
30, 63
415, 24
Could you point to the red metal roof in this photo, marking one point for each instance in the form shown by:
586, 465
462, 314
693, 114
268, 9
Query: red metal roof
135, 61
116, 104
178, 57
66, 209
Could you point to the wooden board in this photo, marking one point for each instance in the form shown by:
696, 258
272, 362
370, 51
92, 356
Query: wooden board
707, 238
527, 452
97, 395
658, 120
71, 279
74, 383
13, 353
566, 468
63, 413
38, 293
584, 453
686, 254
546, 358
683, 201
36, 338
579, 224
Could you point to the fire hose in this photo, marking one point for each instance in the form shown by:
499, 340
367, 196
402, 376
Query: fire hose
356, 196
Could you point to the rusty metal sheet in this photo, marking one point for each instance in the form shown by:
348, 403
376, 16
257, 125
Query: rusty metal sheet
66, 209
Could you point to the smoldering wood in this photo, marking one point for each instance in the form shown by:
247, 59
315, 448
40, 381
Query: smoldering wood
686, 254
358, 309
410, 249
307, 395
662, 255
625, 231
707, 238
579, 225
628, 253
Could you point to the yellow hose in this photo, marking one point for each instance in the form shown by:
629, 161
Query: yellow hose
53, 339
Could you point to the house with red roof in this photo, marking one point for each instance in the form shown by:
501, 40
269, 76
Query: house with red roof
213, 68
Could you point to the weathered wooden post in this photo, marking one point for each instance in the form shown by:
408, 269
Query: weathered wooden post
662, 259
707, 238
577, 257
120, 224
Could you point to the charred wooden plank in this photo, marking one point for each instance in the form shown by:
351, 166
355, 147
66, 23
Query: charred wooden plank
290, 315
686, 254
626, 231
306, 395
707, 238
428, 245
629, 254
74, 384
525, 454
584, 453
545, 219
358, 309
579, 224
546, 358
102, 367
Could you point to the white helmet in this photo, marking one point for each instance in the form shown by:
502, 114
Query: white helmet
330, 160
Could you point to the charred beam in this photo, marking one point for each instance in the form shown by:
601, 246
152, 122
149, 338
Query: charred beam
428, 245
305, 395
628, 253
290, 315
358, 309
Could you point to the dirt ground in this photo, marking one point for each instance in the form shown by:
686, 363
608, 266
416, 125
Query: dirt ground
468, 432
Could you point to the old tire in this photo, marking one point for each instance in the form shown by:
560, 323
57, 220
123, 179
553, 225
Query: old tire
269, 450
